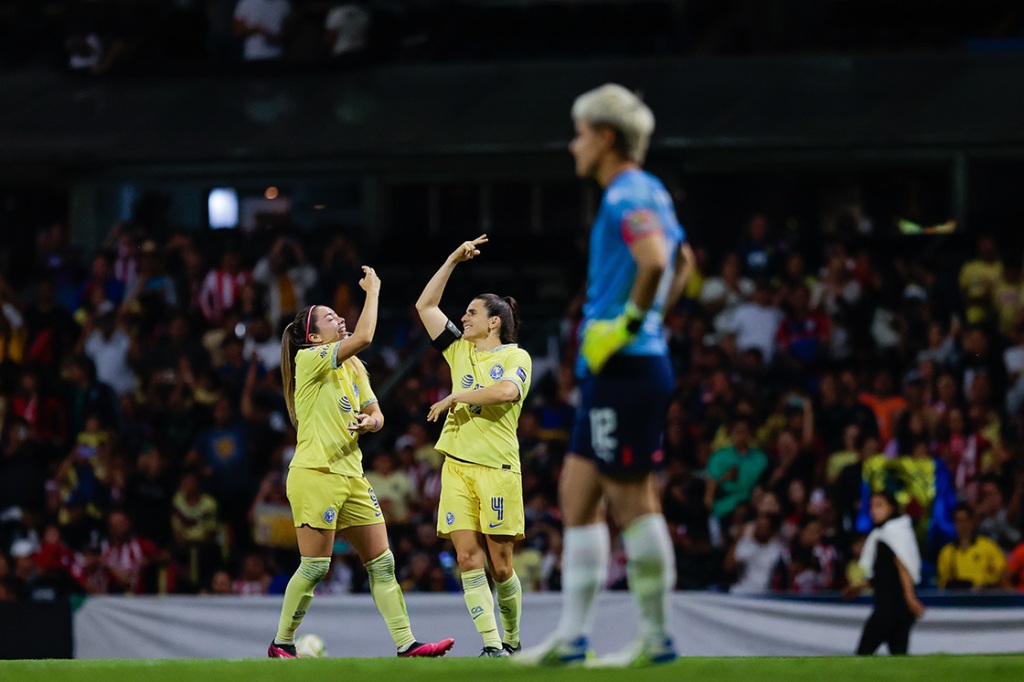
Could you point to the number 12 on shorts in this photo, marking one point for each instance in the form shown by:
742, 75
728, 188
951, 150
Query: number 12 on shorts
603, 424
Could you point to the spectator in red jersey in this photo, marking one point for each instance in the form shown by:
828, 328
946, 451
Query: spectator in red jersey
132, 563
222, 287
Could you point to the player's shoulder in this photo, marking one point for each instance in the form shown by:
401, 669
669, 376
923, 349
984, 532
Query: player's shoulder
514, 351
321, 350
635, 187
313, 354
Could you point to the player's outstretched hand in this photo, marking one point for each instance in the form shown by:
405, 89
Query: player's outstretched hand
370, 283
440, 407
468, 250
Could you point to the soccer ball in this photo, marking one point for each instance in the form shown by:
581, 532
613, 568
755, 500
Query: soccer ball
310, 646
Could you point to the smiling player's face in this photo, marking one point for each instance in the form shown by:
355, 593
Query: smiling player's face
475, 323
587, 149
330, 326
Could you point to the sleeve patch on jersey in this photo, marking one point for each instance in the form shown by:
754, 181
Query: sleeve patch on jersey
639, 223
521, 373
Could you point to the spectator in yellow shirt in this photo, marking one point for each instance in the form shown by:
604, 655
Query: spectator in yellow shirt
973, 562
978, 279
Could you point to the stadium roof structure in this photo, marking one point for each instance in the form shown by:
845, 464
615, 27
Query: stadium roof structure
963, 101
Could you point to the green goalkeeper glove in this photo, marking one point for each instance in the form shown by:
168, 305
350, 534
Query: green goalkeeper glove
604, 338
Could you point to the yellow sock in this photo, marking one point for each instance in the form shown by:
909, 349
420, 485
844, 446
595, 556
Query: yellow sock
510, 608
298, 595
480, 603
387, 595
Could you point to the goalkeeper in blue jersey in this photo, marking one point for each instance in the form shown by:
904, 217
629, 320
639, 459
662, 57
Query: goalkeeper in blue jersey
639, 263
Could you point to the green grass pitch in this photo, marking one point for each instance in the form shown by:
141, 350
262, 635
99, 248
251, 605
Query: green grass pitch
840, 669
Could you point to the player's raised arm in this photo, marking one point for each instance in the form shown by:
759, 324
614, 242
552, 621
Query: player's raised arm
362, 335
428, 304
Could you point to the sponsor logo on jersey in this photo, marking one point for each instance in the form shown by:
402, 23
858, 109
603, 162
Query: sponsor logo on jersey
521, 373
467, 381
346, 406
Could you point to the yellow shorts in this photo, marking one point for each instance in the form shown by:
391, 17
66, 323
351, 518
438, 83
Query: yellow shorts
329, 501
480, 499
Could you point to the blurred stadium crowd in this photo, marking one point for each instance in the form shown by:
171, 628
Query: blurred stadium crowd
135, 37
144, 440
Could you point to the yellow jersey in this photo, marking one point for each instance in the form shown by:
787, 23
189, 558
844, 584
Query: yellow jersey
327, 400
485, 434
981, 564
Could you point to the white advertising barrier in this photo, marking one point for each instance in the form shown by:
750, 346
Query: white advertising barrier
704, 624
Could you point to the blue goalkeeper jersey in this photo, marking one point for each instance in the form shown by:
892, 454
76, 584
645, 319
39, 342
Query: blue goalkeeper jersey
635, 205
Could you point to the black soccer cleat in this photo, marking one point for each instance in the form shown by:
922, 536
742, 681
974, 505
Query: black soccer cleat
493, 652
512, 650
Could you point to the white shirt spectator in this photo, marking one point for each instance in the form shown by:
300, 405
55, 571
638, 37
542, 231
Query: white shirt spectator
1013, 358
268, 352
14, 318
349, 24
754, 326
716, 291
111, 358
758, 563
268, 17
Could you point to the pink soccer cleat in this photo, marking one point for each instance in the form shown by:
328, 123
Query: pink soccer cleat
276, 650
430, 650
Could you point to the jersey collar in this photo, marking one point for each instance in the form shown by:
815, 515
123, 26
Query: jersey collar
496, 348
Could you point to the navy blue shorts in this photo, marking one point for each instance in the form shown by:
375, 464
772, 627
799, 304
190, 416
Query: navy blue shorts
621, 418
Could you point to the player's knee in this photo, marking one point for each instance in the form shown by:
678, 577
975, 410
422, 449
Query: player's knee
314, 569
382, 568
470, 559
501, 571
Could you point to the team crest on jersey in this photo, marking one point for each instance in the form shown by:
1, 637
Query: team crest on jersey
639, 222
355, 390
346, 406
449, 518
521, 373
497, 372
467, 381
330, 515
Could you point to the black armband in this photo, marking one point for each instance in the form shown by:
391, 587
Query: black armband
449, 335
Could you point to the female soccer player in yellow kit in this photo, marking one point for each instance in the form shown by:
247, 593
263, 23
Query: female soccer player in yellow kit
331, 404
481, 505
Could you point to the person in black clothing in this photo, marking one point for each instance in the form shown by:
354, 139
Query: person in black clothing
892, 562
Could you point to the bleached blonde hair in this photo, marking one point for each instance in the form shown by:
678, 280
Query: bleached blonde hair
616, 107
